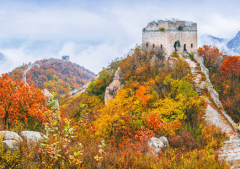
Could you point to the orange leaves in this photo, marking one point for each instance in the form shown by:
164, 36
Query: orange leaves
154, 123
19, 102
210, 55
143, 95
209, 50
231, 67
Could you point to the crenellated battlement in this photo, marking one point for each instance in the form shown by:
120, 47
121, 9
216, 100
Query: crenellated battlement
171, 26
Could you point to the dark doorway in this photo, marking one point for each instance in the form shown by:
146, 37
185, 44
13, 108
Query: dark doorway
153, 46
146, 45
184, 49
161, 46
177, 46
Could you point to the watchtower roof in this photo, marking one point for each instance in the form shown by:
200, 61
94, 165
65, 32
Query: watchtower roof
171, 25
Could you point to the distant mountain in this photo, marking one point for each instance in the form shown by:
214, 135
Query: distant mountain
56, 75
2, 57
234, 44
232, 47
211, 40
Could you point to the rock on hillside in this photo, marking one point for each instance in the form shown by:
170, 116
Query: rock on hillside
55, 75
113, 88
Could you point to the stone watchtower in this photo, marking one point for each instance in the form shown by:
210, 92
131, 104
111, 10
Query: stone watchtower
65, 58
170, 36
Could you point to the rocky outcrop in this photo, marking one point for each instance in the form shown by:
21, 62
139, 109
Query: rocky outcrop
10, 145
170, 61
9, 135
113, 88
11, 140
157, 145
31, 136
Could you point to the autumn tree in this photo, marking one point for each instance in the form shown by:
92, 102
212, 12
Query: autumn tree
19, 102
231, 67
211, 55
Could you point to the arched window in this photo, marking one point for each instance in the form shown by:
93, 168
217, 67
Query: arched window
177, 46
191, 45
146, 45
153, 46
161, 46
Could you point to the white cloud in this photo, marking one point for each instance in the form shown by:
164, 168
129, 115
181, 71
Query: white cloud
90, 56
93, 33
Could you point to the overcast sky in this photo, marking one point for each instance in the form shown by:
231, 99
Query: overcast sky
94, 32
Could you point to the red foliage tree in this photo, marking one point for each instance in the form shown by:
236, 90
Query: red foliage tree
210, 55
19, 102
231, 67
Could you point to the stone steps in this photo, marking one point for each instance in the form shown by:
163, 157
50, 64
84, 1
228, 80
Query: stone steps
230, 151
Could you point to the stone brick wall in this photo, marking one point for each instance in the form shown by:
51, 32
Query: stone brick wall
152, 37
213, 93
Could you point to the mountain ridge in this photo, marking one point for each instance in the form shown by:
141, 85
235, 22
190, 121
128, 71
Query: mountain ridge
54, 74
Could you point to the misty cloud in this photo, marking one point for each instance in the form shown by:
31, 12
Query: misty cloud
94, 32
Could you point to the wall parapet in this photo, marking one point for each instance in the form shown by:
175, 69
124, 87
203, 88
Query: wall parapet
168, 30
213, 93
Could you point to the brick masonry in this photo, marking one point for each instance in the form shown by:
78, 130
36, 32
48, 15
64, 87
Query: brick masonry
152, 37
216, 116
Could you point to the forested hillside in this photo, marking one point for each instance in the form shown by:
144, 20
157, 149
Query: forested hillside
156, 99
55, 75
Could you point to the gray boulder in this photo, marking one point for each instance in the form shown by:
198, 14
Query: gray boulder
165, 141
158, 145
31, 136
10, 145
9, 135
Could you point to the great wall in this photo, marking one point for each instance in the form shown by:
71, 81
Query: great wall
25, 73
214, 112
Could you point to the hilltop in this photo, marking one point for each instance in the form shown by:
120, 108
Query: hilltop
56, 75
144, 111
